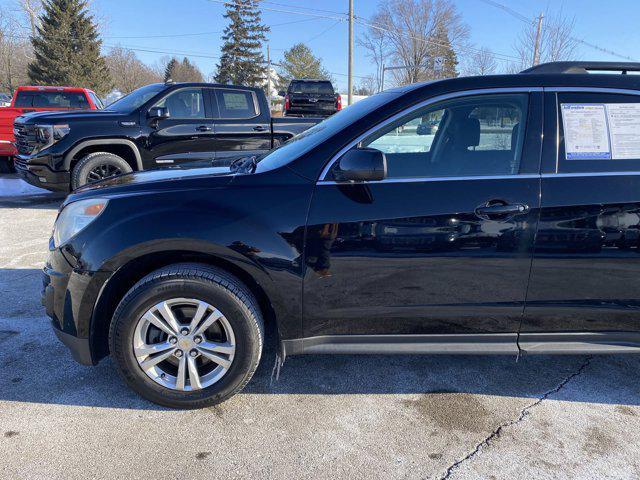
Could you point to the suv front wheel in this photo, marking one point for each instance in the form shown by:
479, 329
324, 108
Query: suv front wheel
187, 336
98, 166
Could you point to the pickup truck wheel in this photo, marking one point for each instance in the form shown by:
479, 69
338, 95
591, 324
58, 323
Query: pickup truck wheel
6, 165
187, 336
98, 166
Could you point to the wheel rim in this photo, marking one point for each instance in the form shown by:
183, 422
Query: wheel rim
184, 344
101, 172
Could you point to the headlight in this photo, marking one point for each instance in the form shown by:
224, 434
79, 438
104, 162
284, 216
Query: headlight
47, 135
75, 217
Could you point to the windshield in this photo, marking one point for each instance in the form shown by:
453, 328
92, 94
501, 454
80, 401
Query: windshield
318, 88
317, 134
136, 98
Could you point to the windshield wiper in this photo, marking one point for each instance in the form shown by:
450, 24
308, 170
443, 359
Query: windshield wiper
244, 165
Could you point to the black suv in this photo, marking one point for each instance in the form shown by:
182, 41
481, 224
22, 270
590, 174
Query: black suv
156, 126
511, 228
311, 98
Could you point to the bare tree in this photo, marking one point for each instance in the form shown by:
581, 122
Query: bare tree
128, 72
556, 41
15, 54
32, 9
421, 35
375, 44
482, 62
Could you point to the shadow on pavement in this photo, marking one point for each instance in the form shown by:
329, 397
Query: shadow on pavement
36, 368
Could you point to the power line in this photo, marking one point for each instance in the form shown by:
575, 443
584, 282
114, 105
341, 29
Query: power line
499, 56
529, 21
294, 12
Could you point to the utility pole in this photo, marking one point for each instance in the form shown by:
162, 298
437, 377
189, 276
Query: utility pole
350, 81
536, 48
269, 75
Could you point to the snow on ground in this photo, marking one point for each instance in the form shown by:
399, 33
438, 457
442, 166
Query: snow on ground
13, 186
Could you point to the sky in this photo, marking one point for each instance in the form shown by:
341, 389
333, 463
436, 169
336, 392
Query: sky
193, 28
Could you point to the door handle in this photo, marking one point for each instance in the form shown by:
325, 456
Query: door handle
259, 128
499, 209
204, 128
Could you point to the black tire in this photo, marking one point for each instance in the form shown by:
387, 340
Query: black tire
6, 165
202, 282
81, 172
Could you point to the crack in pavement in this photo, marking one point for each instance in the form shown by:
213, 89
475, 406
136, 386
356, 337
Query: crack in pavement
523, 413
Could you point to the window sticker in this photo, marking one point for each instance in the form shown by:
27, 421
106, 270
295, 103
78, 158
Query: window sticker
624, 129
586, 135
601, 131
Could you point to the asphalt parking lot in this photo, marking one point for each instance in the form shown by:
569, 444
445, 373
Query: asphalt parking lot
326, 417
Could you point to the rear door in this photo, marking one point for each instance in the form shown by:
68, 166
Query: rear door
586, 265
185, 138
443, 245
242, 127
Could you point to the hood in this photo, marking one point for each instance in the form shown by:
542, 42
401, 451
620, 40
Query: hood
172, 178
68, 115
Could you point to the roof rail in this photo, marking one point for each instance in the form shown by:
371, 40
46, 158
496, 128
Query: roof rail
584, 67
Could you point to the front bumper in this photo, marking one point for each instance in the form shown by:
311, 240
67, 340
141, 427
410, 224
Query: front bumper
69, 297
42, 176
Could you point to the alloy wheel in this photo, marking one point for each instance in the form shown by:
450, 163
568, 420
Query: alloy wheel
184, 344
101, 172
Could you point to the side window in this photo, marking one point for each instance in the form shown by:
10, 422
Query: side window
480, 135
599, 132
236, 103
185, 103
96, 100
23, 100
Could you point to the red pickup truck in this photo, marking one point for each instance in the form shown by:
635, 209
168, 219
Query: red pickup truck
39, 99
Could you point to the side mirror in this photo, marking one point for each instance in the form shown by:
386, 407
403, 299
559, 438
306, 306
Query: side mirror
361, 165
158, 113
282, 93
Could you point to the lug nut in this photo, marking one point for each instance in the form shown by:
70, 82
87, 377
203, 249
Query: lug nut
193, 353
178, 353
198, 340
184, 331
173, 340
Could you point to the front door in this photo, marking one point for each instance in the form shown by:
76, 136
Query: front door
586, 266
443, 244
186, 137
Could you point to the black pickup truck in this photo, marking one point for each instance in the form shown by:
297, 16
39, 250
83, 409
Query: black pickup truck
311, 98
156, 126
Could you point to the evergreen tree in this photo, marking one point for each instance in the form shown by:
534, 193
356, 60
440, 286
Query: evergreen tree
443, 60
299, 62
66, 48
170, 70
184, 71
242, 61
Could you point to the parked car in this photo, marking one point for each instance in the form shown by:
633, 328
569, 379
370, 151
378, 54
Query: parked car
39, 99
5, 100
156, 126
175, 273
311, 98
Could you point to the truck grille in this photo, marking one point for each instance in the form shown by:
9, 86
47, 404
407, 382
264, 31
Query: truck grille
26, 141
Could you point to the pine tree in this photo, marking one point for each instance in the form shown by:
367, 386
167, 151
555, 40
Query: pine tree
184, 71
443, 60
66, 47
299, 62
242, 61
170, 70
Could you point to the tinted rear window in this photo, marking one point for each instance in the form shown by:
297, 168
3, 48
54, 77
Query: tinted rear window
36, 99
321, 88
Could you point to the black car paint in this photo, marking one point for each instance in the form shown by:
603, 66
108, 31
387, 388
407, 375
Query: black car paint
159, 143
308, 248
303, 104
